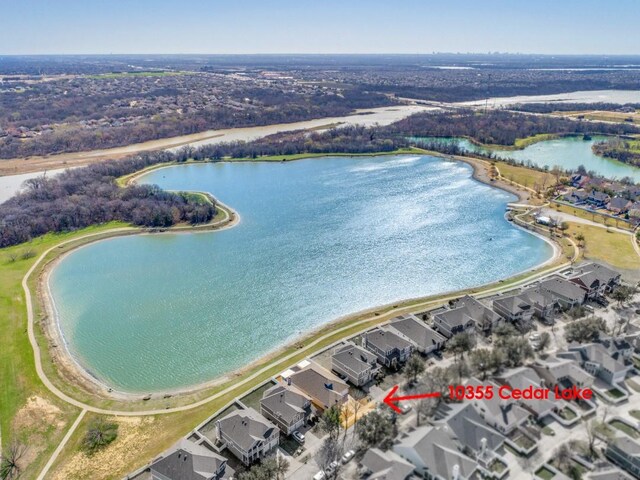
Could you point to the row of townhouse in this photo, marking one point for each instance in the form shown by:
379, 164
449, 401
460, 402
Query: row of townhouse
389, 346
392, 344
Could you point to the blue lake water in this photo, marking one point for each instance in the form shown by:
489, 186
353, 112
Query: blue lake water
568, 153
318, 239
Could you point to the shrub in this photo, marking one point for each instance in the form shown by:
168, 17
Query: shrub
100, 433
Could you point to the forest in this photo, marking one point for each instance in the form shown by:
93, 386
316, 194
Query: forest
498, 127
86, 196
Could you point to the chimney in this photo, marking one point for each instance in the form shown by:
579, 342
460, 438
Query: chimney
455, 472
483, 447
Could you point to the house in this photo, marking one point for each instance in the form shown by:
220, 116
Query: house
595, 279
424, 339
543, 301
357, 365
390, 349
379, 465
503, 415
321, 386
611, 473
598, 199
471, 430
624, 452
576, 197
579, 181
286, 407
597, 361
466, 314
190, 461
519, 308
618, 205
619, 348
563, 372
525, 377
248, 435
564, 291
514, 308
435, 454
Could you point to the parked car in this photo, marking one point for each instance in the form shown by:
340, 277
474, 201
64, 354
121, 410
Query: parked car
348, 456
319, 476
333, 466
298, 437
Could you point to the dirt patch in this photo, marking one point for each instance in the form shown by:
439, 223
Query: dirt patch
34, 423
133, 434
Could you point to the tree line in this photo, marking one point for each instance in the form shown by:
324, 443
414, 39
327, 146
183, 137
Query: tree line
86, 196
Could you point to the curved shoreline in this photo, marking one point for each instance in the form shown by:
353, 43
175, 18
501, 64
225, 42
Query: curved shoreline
105, 390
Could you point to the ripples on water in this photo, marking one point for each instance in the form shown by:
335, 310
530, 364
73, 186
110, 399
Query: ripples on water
319, 239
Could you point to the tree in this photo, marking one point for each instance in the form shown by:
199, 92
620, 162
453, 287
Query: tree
580, 238
376, 430
515, 350
272, 468
330, 451
460, 344
99, 434
504, 330
427, 408
330, 421
481, 362
623, 294
584, 331
414, 368
543, 342
10, 461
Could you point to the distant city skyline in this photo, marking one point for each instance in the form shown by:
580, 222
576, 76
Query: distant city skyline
287, 26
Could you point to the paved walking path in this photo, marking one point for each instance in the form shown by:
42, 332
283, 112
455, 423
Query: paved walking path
62, 444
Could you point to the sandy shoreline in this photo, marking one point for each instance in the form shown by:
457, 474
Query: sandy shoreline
70, 368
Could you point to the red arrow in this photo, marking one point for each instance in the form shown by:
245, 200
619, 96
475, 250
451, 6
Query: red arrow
392, 401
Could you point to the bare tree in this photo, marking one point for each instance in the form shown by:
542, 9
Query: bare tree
10, 461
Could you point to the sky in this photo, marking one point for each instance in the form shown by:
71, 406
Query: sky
321, 26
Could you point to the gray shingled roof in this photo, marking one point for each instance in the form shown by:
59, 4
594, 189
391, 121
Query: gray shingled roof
439, 450
284, 402
470, 428
513, 303
385, 340
356, 358
386, 465
246, 427
315, 382
189, 461
563, 288
416, 330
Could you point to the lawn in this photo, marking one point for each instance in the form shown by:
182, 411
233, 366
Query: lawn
592, 216
526, 177
611, 247
615, 393
567, 413
22, 395
623, 427
545, 473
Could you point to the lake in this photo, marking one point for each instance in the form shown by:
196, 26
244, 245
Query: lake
318, 239
566, 152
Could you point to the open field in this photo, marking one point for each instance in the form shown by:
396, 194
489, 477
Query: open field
526, 177
606, 245
603, 116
